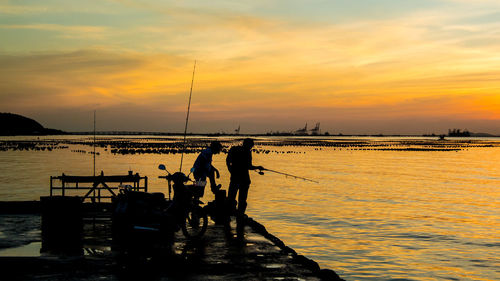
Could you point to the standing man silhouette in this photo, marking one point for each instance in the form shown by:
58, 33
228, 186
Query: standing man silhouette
239, 163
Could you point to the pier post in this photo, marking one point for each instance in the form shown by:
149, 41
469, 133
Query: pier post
221, 214
62, 225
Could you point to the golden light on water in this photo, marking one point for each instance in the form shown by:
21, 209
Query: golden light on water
358, 67
382, 214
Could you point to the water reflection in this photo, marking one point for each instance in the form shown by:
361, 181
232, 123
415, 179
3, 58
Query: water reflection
30, 250
376, 214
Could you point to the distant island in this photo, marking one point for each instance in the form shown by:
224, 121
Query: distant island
16, 125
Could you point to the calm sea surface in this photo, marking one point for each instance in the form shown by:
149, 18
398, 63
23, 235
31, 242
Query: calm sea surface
375, 215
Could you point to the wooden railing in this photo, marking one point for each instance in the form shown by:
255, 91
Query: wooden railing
97, 188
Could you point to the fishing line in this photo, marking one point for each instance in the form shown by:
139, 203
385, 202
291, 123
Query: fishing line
288, 175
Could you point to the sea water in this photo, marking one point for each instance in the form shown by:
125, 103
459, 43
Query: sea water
374, 215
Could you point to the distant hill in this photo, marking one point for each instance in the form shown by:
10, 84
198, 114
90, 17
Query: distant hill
482, 135
14, 124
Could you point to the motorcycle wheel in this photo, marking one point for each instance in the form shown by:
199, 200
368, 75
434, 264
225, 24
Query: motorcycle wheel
195, 223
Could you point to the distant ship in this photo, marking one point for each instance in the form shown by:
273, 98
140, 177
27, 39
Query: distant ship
458, 133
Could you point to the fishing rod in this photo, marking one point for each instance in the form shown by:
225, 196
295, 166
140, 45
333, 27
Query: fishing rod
187, 118
93, 144
286, 174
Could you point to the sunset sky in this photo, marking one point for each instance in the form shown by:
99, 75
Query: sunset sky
360, 66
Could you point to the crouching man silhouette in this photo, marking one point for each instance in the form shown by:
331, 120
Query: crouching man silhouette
203, 168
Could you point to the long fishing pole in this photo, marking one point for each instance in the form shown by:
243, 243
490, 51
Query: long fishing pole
94, 144
290, 175
187, 117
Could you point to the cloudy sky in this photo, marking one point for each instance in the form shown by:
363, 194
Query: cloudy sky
360, 66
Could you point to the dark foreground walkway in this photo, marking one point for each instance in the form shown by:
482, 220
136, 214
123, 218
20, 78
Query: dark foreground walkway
218, 256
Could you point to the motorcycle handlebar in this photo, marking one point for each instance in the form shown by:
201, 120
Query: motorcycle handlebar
170, 177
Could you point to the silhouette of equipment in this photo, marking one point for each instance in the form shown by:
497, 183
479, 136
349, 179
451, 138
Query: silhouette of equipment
142, 219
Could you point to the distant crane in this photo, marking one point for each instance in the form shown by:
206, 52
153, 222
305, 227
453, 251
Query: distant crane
316, 131
302, 131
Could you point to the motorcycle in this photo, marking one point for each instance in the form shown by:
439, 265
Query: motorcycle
151, 214
192, 217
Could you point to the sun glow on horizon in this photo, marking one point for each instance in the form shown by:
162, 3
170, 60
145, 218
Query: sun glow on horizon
256, 62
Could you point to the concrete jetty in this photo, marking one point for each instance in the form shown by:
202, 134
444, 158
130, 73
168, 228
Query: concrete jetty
219, 255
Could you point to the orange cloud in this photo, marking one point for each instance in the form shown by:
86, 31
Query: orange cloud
261, 67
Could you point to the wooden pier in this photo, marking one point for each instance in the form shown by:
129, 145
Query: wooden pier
219, 255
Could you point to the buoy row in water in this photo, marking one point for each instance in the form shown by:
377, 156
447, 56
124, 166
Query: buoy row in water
28, 148
263, 146
125, 151
188, 150
406, 149
267, 151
